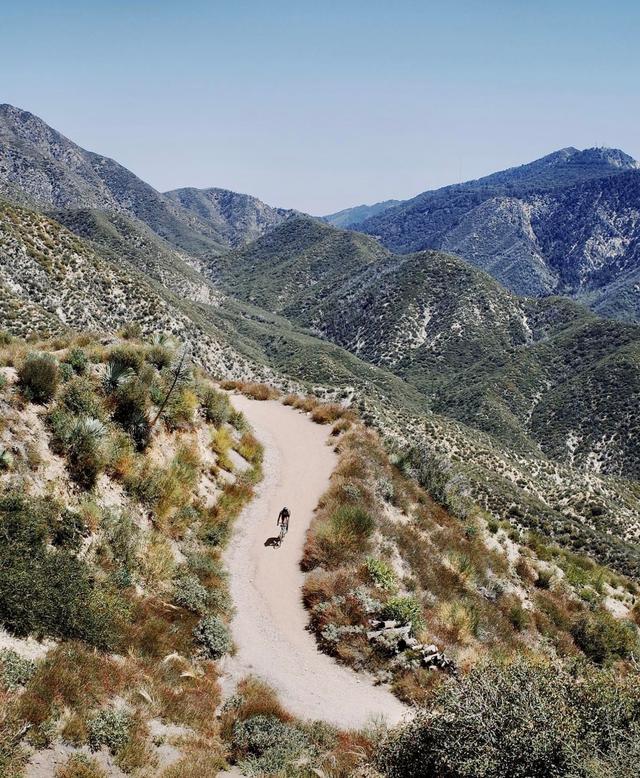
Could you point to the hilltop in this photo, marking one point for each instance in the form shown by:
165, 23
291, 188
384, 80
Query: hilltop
564, 224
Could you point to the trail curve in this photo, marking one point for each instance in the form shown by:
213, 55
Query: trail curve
269, 626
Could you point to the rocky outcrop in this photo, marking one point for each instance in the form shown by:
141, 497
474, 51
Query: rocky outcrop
396, 638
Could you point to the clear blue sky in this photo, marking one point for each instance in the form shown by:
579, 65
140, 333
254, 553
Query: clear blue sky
323, 105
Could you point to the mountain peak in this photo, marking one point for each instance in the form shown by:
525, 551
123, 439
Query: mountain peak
616, 158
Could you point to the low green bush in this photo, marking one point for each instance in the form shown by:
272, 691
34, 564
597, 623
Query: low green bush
189, 593
212, 634
603, 638
381, 574
215, 406
69, 531
38, 377
43, 590
78, 360
78, 397
109, 728
120, 541
352, 522
524, 719
406, 610
15, 670
268, 746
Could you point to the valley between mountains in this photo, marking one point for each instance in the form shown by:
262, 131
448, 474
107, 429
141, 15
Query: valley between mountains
444, 391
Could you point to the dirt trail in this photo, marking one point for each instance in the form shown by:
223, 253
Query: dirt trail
269, 626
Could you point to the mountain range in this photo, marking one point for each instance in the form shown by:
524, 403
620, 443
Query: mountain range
532, 399
568, 224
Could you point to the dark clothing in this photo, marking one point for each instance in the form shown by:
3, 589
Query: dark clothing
283, 518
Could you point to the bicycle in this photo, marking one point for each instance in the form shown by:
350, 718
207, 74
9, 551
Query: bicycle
284, 528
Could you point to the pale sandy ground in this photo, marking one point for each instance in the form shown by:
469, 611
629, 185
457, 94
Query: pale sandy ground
269, 627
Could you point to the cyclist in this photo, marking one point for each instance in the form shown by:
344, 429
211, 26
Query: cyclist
283, 522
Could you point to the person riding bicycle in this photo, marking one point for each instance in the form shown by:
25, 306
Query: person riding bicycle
283, 519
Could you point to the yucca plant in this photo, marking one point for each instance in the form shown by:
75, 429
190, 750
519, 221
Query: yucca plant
85, 453
116, 374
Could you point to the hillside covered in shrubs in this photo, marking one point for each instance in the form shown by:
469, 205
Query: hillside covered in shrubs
123, 468
382, 550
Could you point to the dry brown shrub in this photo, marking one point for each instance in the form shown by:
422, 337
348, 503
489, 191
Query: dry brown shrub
256, 698
327, 413
258, 391
525, 570
71, 676
79, 766
342, 425
306, 404
158, 629
417, 687
203, 758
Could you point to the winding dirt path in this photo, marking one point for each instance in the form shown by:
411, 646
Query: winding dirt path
269, 625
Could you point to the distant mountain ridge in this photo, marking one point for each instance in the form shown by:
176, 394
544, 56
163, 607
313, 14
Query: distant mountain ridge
564, 224
238, 218
41, 167
350, 217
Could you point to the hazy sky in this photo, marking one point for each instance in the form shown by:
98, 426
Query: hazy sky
323, 105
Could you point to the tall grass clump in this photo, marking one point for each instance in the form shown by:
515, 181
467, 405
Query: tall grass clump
38, 377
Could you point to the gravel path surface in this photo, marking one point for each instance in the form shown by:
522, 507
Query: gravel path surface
269, 628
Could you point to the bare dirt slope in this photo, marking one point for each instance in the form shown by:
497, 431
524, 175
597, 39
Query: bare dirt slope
269, 626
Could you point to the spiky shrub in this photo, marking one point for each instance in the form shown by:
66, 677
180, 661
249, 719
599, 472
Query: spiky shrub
131, 411
115, 375
212, 634
85, 451
38, 377
160, 356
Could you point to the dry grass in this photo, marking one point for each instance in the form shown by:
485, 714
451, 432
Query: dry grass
327, 413
254, 698
256, 391
79, 766
158, 629
136, 752
204, 758
221, 443
250, 449
71, 676
417, 687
